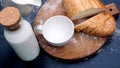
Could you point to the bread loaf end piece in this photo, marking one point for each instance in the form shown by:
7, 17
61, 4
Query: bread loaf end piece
89, 24
107, 26
101, 25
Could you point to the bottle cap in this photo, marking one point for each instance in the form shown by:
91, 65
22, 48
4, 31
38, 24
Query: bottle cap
10, 17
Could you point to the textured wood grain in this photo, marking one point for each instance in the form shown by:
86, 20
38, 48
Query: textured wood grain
112, 9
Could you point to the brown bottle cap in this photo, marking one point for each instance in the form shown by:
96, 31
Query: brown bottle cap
10, 17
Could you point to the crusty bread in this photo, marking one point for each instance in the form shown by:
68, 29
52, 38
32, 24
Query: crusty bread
100, 25
107, 26
95, 22
86, 24
77, 9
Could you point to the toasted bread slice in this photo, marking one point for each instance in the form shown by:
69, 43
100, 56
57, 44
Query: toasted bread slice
77, 9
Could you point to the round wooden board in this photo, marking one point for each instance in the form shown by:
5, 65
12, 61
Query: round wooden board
80, 46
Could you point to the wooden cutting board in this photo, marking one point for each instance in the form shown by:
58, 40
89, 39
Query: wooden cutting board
80, 46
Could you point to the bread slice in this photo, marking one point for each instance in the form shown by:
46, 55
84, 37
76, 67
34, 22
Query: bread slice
77, 9
96, 22
101, 25
89, 24
107, 26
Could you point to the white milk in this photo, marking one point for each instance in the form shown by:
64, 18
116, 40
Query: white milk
25, 6
32, 2
23, 41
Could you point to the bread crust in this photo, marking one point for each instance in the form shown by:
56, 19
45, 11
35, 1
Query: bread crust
106, 28
86, 24
77, 9
101, 25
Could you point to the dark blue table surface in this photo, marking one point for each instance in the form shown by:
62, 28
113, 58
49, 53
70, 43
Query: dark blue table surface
109, 57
